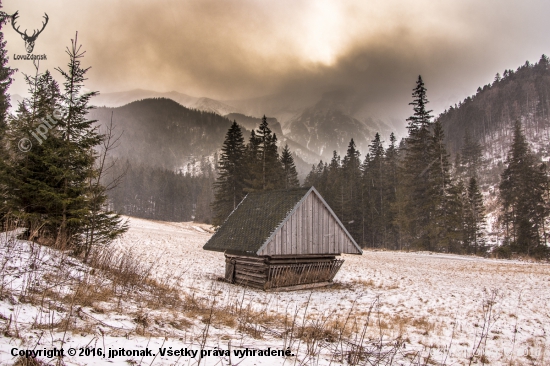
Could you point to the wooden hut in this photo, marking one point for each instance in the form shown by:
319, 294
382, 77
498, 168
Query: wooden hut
283, 239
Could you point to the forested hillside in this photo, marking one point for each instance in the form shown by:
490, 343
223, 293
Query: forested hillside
163, 133
162, 194
489, 115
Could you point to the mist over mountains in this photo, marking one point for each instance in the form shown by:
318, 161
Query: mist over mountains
161, 133
312, 128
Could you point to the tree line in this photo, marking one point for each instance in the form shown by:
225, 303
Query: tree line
254, 166
405, 196
162, 194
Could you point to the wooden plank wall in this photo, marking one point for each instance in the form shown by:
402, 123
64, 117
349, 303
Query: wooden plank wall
311, 229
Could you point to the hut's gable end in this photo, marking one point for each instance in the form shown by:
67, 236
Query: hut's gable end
311, 229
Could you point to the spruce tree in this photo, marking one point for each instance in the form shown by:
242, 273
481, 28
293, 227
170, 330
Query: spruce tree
290, 174
79, 137
351, 191
33, 176
440, 185
229, 186
264, 168
6, 73
56, 185
334, 187
5, 81
366, 203
420, 121
373, 187
253, 167
311, 178
523, 189
418, 212
391, 182
474, 219
456, 205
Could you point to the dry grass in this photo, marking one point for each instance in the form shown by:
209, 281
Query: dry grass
81, 295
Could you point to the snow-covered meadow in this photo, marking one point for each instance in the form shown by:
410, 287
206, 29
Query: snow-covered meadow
422, 308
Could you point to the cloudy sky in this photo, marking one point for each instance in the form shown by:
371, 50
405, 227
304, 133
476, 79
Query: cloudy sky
230, 49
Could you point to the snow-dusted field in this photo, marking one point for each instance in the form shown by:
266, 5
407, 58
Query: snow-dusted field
441, 309
433, 300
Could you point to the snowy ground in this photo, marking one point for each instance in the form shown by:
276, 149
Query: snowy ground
440, 309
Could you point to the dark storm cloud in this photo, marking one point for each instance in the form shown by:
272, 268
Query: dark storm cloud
242, 49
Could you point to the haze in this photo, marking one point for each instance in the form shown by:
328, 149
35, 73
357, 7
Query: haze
231, 50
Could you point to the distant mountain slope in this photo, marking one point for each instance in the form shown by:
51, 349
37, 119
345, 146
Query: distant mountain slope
313, 132
281, 106
163, 133
522, 95
119, 99
214, 106
326, 127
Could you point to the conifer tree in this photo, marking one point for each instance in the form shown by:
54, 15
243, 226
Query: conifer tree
290, 174
334, 188
311, 178
367, 238
373, 187
474, 219
205, 196
265, 170
6, 73
79, 137
418, 160
391, 182
33, 176
523, 188
440, 185
5, 81
253, 164
456, 205
420, 121
55, 185
351, 191
229, 186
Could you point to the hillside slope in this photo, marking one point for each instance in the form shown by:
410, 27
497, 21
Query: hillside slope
163, 133
488, 115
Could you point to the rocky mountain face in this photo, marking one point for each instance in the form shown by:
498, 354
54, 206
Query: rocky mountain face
329, 126
213, 106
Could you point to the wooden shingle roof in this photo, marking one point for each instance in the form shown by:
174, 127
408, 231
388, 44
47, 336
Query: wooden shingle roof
259, 216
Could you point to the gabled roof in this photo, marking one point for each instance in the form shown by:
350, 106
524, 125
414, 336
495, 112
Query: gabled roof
258, 217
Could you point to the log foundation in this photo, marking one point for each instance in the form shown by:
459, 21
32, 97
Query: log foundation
284, 272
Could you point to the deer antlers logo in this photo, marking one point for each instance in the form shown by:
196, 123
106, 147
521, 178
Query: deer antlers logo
29, 40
